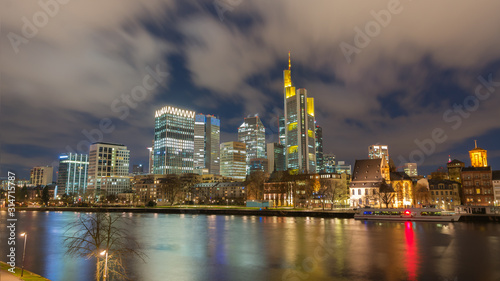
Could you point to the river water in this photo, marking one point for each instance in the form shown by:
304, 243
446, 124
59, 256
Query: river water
201, 247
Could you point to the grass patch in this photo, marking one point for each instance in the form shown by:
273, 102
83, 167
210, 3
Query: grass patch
27, 275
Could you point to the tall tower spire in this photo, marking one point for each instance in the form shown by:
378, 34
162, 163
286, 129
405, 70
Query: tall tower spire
289, 62
475, 143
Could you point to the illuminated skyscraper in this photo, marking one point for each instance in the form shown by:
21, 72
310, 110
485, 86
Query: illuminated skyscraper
299, 127
329, 162
319, 149
174, 141
410, 169
478, 156
207, 143
276, 157
378, 152
253, 134
72, 175
108, 169
282, 133
233, 160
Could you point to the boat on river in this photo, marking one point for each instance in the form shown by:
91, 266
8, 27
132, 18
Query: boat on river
408, 214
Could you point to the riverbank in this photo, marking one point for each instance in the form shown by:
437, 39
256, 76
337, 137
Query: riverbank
5, 275
243, 211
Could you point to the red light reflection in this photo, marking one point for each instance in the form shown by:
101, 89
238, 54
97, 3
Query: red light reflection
411, 255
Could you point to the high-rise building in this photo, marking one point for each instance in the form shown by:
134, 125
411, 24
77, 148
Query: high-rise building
174, 141
72, 176
281, 127
108, 169
378, 152
342, 168
233, 160
258, 164
276, 157
319, 149
478, 156
410, 169
455, 170
253, 134
329, 163
299, 127
207, 143
41, 175
151, 158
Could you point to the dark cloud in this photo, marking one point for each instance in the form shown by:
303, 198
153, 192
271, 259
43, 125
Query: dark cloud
89, 54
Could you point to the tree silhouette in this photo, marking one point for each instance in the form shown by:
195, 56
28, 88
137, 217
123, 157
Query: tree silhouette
386, 193
92, 233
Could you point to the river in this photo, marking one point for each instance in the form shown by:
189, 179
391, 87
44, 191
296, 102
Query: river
218, 248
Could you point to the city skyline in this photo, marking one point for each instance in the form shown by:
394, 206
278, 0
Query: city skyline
398, 100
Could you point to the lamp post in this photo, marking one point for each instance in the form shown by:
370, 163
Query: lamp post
105, 252
25, 235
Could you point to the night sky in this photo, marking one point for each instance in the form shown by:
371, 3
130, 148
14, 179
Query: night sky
409, 78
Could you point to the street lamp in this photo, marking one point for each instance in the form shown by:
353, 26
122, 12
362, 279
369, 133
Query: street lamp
105, 252
25, 235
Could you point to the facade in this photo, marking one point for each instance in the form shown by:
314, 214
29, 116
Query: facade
477, 185
145, 187
233, 160
275, 157
378, 151
319, 149
410, 169
478, 157
367, 176
329, 163
293, 190
108, 169
258, 164
445, 194
207, 143
496, 186
342, 168
41, 175
281, 127
174, 141
299, 127
222, 193
253, 133
455, 170
151, 158
403, 189
72, 176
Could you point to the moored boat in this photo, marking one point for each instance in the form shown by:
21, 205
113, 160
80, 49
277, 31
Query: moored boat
408, 214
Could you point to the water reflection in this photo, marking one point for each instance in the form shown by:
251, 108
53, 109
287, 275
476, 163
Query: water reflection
198, 247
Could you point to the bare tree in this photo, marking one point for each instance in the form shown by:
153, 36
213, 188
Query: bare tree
255, 185
422, 193
171, 188
92, 233
331, 191
386, 193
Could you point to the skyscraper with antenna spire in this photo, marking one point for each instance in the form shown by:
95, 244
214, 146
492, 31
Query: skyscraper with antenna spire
299, 126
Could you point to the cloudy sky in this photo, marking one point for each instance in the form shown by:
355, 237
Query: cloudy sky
410, 74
